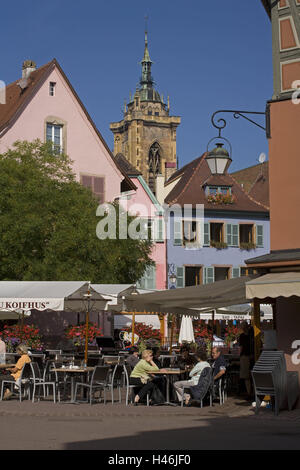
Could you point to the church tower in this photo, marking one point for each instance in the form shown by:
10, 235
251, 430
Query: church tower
146, 136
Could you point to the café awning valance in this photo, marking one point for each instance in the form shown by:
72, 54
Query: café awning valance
46, 295
273, 285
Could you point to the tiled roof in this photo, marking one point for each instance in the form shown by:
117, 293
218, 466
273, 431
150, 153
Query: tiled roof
17, 98
127, 168
190, 189
266, 4
275, 257
255, 181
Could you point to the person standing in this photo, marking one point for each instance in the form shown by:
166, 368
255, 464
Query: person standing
2, 351
245, 357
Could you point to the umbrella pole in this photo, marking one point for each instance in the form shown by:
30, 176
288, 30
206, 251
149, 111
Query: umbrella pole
132, 329
172, 332
86, 338
87, 319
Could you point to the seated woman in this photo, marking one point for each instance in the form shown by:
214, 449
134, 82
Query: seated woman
15, 372
194, 375
141, 375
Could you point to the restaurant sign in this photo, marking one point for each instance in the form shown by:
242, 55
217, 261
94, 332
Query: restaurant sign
31, 304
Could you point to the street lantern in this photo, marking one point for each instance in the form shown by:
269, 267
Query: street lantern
173, 278
218, 159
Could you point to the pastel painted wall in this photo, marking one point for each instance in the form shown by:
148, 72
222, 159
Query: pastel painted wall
141, 203
284, 169
208, 256
83, 145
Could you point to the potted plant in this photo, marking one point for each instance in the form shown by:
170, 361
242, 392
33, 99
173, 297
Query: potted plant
14, 335
77, 334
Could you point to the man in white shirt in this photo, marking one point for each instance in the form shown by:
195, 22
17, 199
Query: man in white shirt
195, 373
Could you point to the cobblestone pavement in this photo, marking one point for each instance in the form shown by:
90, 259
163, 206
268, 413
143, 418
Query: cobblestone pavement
45, 425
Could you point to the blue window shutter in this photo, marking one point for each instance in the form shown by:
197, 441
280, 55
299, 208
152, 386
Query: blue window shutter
259, 236
177, 232
180, 277
206, 241
236, 272
209, 275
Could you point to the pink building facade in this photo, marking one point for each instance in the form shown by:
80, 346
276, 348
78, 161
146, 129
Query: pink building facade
43, 105
143, 203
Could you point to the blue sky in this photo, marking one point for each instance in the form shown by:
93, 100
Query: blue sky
207, 55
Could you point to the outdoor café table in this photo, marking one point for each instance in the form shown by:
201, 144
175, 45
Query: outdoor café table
72, 371
169, 373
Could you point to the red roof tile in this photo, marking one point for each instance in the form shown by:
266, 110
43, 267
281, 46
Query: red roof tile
17, 98
190, 189
255, 181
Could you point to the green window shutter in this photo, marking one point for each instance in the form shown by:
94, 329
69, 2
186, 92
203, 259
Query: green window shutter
259, 236
206, 241
209, 275
177, 232
236, 272
235, 235
229, 234
148, 281
159, 230
180, 277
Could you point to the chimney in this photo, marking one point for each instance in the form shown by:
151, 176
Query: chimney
170, 168
28, 67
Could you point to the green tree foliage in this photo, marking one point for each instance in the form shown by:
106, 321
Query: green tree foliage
48, 224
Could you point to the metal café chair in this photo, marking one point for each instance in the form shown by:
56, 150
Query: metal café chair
23, 385
38, 381
98, 381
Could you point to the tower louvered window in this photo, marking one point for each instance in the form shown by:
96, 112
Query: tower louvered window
154, 161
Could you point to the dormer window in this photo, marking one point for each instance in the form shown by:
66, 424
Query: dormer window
213, 190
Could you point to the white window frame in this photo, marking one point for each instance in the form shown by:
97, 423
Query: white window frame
55, 146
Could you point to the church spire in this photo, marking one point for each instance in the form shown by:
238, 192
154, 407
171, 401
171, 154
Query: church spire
146, 79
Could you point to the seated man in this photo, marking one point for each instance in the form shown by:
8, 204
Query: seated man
185, 360
219, 365
133, 359
194, 376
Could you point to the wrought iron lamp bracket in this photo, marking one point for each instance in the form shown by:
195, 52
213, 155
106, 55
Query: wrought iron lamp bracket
221, 123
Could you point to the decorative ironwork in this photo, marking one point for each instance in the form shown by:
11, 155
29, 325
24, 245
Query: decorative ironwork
221, 123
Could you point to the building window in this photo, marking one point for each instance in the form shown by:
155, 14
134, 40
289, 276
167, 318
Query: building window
54, 135
214, 190
216, 232
189, 232
246, 233
221, 273
149, 113
148, 281
96, 184
193, 276
52, 86
156, 113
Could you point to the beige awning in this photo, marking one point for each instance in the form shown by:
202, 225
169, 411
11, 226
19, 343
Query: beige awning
274, 285
189, 300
